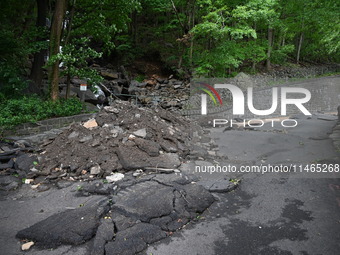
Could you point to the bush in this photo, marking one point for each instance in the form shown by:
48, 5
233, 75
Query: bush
33, 108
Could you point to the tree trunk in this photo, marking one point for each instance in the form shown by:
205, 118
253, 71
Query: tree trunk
269, 50
37, 73
70, 21
56, 30
299, 48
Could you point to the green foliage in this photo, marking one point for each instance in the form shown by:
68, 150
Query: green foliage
74, 57
140, 78
218, 60
213, 38
33, 108
281, 55
14, 52
126, 50
103, 19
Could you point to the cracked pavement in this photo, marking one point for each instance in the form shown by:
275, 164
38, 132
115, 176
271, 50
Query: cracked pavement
266, 214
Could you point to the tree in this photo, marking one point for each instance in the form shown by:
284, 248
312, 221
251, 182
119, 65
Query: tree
56, 31
39, 57
74, 62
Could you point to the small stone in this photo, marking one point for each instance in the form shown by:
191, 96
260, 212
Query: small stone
114, 132
74, 134
95, 143
33, 169
27, 246
132, 137
92, 123
212, 153
95, 170
86, 139
140, 133
115, 177
137, 173
28, 181
43, 187
111, 109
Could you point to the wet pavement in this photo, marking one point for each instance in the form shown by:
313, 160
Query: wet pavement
273, 213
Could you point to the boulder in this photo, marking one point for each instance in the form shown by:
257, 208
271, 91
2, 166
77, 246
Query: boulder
109, 75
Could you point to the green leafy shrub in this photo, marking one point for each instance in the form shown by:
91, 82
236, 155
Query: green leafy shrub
281, 55
33, 108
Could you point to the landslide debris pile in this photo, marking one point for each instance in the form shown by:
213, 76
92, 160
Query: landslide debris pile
122, 137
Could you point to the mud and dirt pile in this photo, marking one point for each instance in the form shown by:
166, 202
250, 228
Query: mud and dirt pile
122, 137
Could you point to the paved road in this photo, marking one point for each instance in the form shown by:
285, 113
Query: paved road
267, 214
272, 213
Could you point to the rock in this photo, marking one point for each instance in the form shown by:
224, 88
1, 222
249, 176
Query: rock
64, 91
95, 170
104, 118
198, 151
43, 187
89, 95
140, 133
28, 181
132, 158
160, 80
111, 109
92, 123
168, 146
78, 81
109, 75
9, 164
9, 182
91, 107
113, 87
86, 139
150, 147
137, 173
69, 227
135, 86
25, 162
115, 177
27, 246
74, 134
